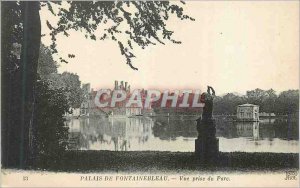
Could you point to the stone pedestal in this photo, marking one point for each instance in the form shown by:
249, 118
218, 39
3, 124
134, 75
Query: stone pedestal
206, 145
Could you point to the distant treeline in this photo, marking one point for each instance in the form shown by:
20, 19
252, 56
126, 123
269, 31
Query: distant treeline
287, 102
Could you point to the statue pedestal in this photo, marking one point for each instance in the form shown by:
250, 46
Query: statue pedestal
206, 145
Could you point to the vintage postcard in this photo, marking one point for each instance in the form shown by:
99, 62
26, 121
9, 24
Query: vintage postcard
150, 93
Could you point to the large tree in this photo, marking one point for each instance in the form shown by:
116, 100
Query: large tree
141, 23
287, 103
20, 25
68, 82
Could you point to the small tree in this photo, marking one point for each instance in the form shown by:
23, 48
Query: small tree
51, 134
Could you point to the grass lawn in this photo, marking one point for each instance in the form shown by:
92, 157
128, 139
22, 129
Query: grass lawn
151, 161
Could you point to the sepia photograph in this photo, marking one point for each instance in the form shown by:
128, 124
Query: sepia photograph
170, 93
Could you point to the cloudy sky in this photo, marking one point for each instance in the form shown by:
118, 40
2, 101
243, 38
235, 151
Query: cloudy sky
233, 46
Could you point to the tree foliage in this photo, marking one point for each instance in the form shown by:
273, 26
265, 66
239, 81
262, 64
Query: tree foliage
228, 103
68, 83
287, 102
46, 65
127, 23
51, 132
71, 85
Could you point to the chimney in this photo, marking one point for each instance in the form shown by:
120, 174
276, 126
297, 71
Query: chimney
116, 84
122, 85
126, 86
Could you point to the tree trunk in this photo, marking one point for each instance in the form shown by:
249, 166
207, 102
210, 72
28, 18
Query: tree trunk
18, 87
29, 64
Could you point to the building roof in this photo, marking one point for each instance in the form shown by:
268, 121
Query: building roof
247, 105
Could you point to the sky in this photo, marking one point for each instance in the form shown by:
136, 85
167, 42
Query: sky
233, 46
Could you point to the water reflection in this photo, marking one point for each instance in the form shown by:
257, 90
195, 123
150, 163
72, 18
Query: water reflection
108, 133
179, 134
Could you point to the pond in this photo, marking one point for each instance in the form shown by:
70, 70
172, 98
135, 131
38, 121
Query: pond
179, 134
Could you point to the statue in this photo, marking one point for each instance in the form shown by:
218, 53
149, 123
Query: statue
207, 99
207, 145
